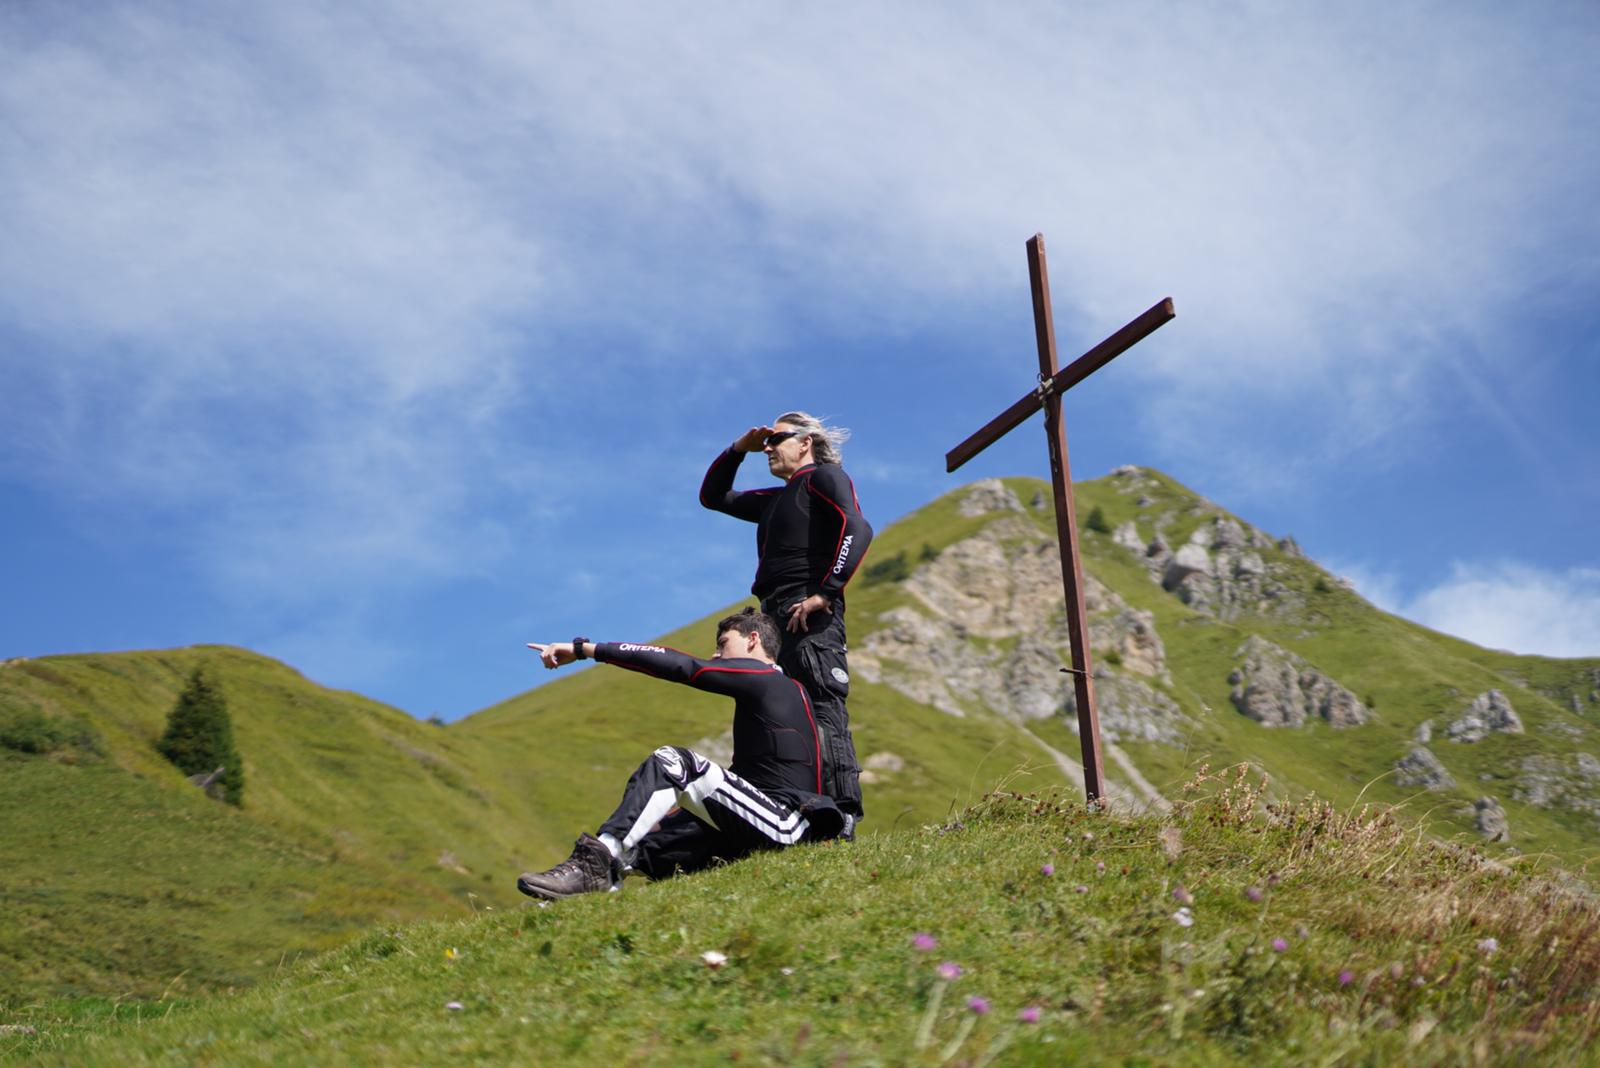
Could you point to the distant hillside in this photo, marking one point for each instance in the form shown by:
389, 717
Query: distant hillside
1214, 642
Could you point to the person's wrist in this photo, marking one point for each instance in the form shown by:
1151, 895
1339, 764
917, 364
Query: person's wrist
577, 648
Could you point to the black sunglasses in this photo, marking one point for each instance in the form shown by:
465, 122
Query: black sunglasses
779, 438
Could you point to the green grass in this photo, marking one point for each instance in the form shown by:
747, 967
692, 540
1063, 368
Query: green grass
118, 880
1297, 954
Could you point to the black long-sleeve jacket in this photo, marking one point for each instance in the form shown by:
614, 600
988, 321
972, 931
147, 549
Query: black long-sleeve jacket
810, 532
776, 745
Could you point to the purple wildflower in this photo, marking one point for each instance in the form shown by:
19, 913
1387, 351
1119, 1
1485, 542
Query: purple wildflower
1252, 893
1346, 977
979, 1006
949, 970
1279, 946
922, 942
1080, 889
1047, 869
1029, 1015
1182, 896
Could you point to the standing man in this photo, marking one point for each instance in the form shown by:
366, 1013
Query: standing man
810, 538
680, 811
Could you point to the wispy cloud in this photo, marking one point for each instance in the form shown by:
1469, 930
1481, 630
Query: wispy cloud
316, 271
1504, 604
1513, 606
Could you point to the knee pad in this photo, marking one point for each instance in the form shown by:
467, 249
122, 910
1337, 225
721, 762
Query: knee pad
680, 766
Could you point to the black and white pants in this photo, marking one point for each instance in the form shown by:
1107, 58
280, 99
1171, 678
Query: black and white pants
719, 817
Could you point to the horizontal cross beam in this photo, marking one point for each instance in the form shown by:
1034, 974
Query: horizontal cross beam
1065, 379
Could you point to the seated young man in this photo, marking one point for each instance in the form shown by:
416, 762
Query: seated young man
681, 812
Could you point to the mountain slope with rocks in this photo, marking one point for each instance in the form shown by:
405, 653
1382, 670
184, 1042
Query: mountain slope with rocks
1213, 642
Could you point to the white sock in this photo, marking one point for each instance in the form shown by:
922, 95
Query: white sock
612, 844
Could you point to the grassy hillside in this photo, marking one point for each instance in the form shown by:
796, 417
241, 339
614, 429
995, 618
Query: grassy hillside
118, 878
1026, 931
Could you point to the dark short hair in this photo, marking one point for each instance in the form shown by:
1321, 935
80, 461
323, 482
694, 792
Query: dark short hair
750, 620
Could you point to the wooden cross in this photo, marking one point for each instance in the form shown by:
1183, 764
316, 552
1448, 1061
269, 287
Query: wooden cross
1052, 383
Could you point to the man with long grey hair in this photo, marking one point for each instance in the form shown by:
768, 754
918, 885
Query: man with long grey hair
810, 539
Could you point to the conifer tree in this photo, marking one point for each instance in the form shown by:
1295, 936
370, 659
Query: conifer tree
1097, 521
199, 736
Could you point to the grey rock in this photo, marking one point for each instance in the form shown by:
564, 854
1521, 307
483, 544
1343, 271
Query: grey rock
1144, 501
1131, 634
1127, 471
1187, 562
1130, 710
1491, 820
1038, 500
1249, 565
1548, 781
1489, 712
1227, 534
1277, 688
1127, 536
1289, 547
1425, 732
1421, 768
989, 495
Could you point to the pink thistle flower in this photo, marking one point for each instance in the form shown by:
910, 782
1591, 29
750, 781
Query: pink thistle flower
1029, 1015
1080, 889
1252, 893
1346, 977
1048, 869
1279, 946
922, 942
949, 970
979, 1006
1100, 866
1182, 896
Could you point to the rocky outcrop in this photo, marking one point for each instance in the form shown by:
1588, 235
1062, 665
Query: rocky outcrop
1490, 820
1490, 712
1559, 782
1129, 638
1276, 688
1130, 710
880, 767
1219, 570
1421, 768
1127, 536
987, 631
989, 495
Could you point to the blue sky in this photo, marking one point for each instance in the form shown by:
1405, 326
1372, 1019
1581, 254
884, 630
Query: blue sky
383, 338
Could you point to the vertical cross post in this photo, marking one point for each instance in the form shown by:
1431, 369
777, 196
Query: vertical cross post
1066, 524
1047, 395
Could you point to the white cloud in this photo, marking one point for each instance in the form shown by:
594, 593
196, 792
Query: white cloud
300, 267
1507, 604
1516, 607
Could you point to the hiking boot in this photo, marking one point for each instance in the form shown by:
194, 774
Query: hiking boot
590, 869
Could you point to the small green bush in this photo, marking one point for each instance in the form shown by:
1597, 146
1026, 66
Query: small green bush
31, 731
895, 569
1097, 521
199, 736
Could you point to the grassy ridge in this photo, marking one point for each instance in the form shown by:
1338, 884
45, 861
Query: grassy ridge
1214, 935
117, 876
